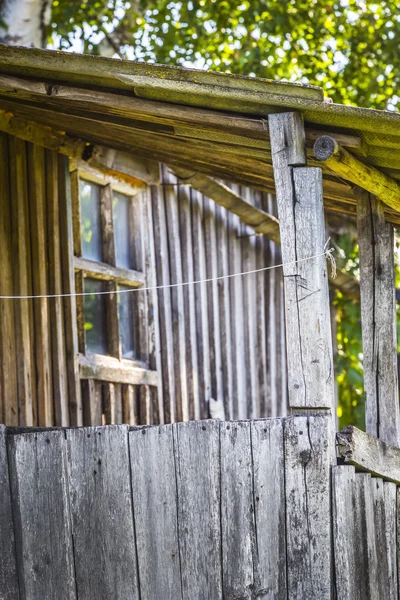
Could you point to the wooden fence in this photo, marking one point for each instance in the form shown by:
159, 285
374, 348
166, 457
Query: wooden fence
198, 510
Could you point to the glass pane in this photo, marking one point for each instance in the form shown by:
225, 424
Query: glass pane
126, 313
95, 317
90, 220
121, 205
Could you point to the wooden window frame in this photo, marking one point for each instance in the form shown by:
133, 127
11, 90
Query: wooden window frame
111, 367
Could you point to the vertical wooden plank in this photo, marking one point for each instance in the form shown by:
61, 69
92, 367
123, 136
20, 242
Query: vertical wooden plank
92, 402
344, 548
8, 566
269, 495
225, 309
99, 483
384, 579
108, 251
76, 214
378, 319
365, 543
130, 405
164, 303
272, 338
237, 511
177, 298
308, 523
189, 301
236, 294
56, 308
39, 235
202, 323
196, 446
22, 282
210, 241
110, 402
8, 365
145, 405
389, 495
68, 281
155, 500
153, 328
309, 340
138, 234
42, 527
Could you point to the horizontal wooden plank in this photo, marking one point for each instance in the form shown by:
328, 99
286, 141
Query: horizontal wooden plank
107, 368
107, 272
369, 453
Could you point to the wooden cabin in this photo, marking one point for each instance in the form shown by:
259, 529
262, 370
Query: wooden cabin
118, 175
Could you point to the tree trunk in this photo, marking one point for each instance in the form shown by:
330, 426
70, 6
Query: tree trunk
23, 22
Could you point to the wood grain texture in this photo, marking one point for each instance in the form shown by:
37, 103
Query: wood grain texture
70, 313
238, 529
99, 483
308, 333
9, 412
366, 557
307, 489
56, 305
9, 588
41, 315
42, 527
378, 319
154, 496
343, 498
269, 502
389, 542
369, 454
198, 482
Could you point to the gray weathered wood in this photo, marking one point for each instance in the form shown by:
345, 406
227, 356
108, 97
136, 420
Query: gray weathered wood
366, 575
9, 589
237, 511
343, 494
378, 319
269, 500
301, 215
198, 483
307, 485
389, 496
154, 496
99, 483
369, 454
41, 511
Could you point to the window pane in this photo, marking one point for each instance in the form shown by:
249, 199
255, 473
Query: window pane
95, 317
126, 313
90, 220
121, 205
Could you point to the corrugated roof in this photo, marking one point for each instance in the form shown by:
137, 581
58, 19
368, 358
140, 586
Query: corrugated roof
212, 122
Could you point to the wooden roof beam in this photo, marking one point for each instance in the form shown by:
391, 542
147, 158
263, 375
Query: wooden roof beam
345, 165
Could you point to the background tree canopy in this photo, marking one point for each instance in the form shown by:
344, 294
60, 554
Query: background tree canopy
348, 47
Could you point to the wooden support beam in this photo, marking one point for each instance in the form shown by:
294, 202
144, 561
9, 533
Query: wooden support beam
378, 320
301, 217
367, 453
344, 164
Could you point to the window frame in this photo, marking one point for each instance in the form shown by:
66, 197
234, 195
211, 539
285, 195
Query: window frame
106, 271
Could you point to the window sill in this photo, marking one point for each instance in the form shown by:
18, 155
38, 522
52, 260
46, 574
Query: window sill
107, 368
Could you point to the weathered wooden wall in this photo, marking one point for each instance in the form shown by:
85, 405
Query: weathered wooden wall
201, 510
218, 347
204, 509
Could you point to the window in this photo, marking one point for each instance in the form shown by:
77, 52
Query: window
105, 261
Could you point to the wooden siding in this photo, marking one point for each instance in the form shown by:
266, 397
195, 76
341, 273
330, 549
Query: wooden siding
209, 349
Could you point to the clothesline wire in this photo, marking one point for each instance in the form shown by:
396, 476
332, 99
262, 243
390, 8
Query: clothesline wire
328, 253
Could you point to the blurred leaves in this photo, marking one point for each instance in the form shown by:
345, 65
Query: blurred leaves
349, 47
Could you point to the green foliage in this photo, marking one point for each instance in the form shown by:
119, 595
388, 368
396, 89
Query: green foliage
350, 47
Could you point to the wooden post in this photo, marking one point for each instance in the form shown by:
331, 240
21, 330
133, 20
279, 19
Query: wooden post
302, 230
378, 319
